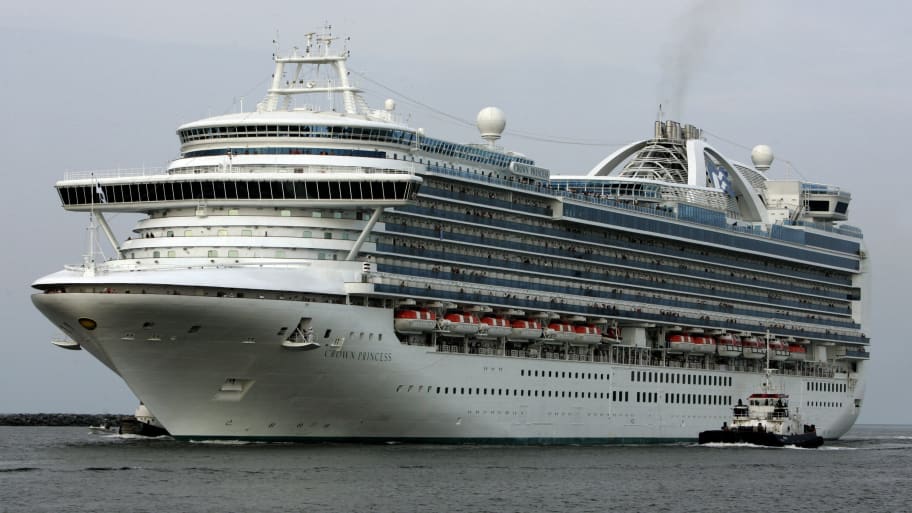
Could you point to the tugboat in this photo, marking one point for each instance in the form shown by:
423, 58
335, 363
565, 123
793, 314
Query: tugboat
143, 423
765, 420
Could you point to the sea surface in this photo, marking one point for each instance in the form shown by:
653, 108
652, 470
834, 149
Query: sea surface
70, 470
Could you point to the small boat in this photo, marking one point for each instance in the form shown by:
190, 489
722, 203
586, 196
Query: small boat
143, 423
523, 329
495, 327
728, 346
415, 322
587, 334
103, 429
460, 324
678, 343
765, 420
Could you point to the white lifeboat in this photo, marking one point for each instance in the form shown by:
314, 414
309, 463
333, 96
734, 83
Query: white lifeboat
752, 349
560, 332
460, 324
496, 327
797, 352
703, 344
523, 329
415, 322
587, 334
679, 343
728, 346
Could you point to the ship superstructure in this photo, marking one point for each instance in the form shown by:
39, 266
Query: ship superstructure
331, 273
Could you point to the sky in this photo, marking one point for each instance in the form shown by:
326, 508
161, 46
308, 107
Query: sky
101, 85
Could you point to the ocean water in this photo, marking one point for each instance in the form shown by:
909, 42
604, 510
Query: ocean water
70, 470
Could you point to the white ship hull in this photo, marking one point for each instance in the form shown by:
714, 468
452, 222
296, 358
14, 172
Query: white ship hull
231, 378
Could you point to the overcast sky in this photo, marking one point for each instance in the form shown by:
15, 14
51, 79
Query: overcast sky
103, 85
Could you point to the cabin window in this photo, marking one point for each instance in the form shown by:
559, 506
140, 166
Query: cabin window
213, 253
233, 253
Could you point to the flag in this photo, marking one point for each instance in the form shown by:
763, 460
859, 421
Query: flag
720, 178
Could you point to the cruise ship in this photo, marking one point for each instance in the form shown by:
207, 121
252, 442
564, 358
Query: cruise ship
308, 271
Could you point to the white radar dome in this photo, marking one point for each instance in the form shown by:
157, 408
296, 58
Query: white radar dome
389, 104
491, 122
762, 157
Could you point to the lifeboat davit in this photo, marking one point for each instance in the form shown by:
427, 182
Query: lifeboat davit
703, 344
752, 349
797, 353
460, 324
523, 329
587, 334
415, 322
728, 346
612, 336
495, 327
679, 343
560, 332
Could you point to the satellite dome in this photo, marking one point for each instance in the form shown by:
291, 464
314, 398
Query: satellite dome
491, 122
762, 157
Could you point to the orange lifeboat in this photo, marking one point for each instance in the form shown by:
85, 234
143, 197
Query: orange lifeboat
560, 332
460, 324
678, 343
587, 334
495, 327
778, 350
704, 344
523, 329
752, 349
415, 322
797, 353
728, 346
